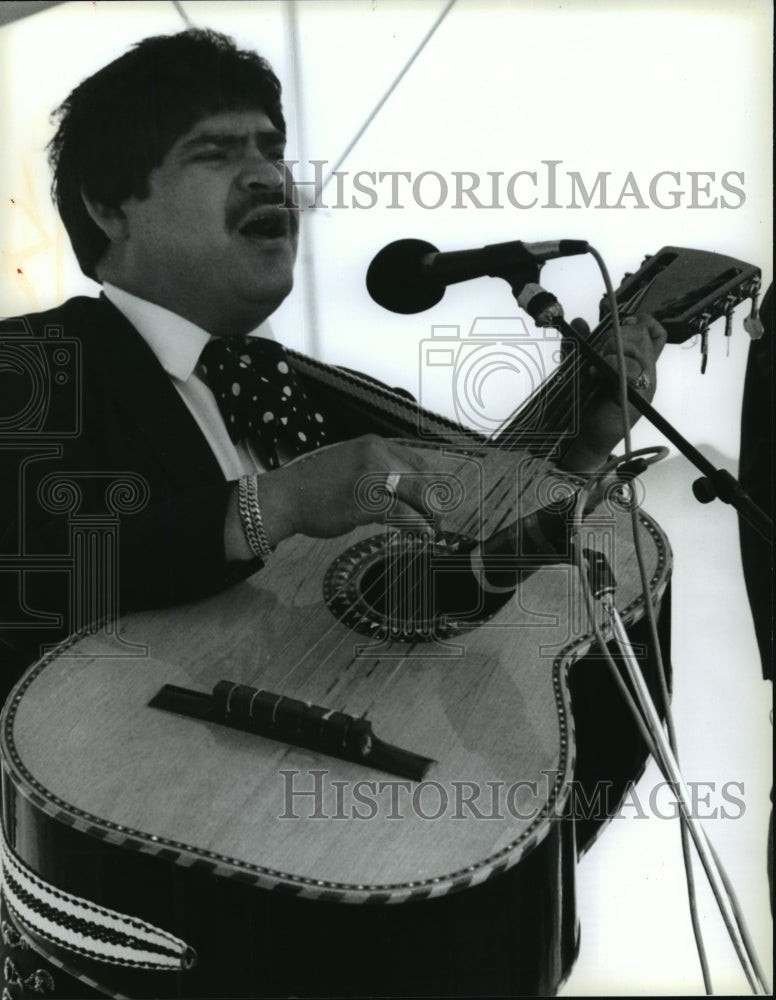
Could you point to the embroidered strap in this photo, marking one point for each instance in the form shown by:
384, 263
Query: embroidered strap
83, 927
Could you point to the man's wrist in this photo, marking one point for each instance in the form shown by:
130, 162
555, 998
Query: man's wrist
251, 517
272, 501
275, 498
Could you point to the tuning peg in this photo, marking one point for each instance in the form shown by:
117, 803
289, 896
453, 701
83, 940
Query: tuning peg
753, 324
754, 327
728, 328
703, 330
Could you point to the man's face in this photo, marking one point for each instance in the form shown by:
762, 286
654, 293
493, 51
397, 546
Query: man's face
214, 240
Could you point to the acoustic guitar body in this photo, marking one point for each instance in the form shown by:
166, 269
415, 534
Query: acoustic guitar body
292, 869
354, 774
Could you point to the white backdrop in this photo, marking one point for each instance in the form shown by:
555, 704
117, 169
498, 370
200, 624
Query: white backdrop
503, 86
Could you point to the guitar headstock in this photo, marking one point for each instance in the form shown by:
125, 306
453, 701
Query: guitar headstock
687, 290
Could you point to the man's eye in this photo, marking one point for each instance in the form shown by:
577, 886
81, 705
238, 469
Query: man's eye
276, 155
211, 154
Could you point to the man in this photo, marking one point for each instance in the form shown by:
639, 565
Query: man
169, 178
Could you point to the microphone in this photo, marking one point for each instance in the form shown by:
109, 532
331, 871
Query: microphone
410, 276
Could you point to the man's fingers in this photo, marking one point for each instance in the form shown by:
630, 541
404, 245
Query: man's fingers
637, 358
638, 374
390, 496
406, 457
410, 489
393, 485
657, 335
643, 340
581, 326
411, 515
410, 477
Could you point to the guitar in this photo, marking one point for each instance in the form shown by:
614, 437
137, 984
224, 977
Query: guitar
348, 775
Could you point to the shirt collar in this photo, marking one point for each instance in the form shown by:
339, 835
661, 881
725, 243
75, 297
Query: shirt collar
176, 342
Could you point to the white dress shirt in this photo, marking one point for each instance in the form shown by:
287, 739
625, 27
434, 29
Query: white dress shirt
177, 344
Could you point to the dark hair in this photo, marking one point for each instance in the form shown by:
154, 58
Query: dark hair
120, 123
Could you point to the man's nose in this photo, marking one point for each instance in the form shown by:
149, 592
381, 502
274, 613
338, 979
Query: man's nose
257, 171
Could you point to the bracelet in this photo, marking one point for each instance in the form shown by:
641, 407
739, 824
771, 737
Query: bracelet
250, 516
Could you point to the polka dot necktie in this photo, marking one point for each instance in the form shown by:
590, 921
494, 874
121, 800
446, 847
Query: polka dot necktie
261, 399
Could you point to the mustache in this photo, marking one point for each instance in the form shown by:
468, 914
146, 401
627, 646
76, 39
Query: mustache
238, 213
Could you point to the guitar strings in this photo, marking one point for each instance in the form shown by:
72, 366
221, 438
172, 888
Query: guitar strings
351, 632
312, 621
554, 395
557, 392
408, 572
417, 582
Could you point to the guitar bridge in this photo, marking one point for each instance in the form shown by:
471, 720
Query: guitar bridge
294, 722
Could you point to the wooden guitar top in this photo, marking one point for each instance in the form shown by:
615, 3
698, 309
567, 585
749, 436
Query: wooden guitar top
489, 706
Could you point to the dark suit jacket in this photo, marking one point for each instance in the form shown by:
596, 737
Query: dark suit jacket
84, 396
756, 474
128, 418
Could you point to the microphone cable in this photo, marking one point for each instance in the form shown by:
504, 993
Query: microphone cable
754, 976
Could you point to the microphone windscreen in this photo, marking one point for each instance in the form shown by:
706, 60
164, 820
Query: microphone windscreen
396, 280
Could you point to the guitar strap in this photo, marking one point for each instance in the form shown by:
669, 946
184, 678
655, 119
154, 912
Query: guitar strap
85, 928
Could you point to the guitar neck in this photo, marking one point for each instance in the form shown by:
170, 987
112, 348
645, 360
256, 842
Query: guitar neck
376, 407
685, 290
545, 424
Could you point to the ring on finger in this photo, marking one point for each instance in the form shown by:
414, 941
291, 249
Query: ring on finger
392, 481
642, 382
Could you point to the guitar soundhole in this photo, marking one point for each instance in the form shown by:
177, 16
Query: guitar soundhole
406, 587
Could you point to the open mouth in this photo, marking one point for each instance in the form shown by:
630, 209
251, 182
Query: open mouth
272, 225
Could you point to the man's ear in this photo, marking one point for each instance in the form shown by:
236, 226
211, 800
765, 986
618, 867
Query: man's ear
111, 220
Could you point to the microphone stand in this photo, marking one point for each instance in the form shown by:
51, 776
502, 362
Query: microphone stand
545, 310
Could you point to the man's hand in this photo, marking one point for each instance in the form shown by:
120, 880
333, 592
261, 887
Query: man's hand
321, 494
602, 427
318, 494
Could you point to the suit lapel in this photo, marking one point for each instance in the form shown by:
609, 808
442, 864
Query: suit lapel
150, 405
156, 421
